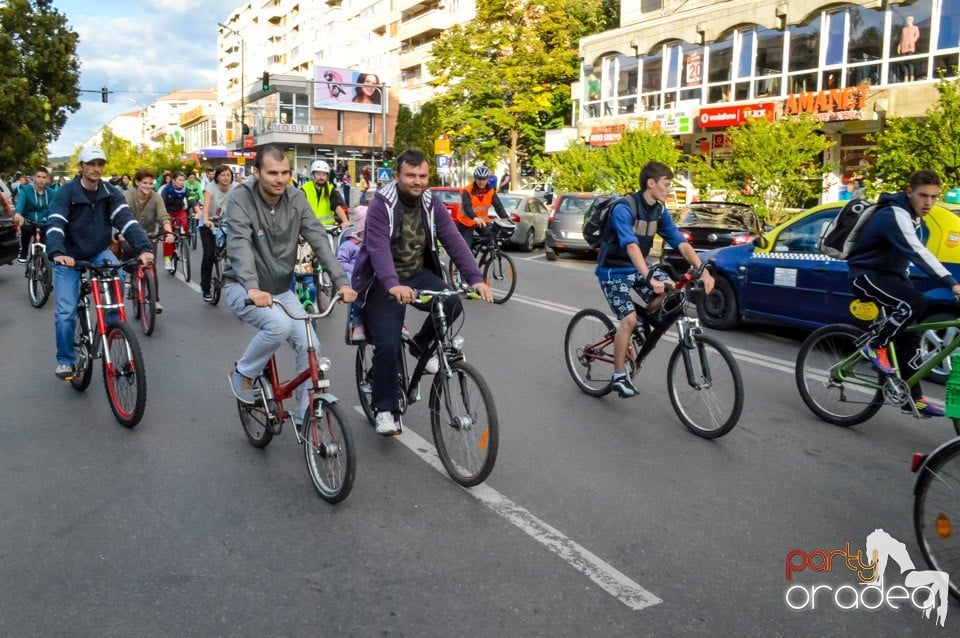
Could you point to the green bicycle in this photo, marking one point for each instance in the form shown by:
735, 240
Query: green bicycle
841, 387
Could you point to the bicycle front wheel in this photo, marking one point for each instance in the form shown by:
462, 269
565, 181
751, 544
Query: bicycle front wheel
842, 397
124, 376
501, 275
362, 369
185, 258
148, 306
464, 422
936, 515
328, 447
705, 387
588, 349
38, 285
82, 356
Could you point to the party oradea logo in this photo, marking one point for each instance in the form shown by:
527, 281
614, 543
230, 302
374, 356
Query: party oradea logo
924, 590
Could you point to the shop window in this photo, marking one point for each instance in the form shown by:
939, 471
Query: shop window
866, 34
767, 87
649, 6
949, 37
802, 82
294, 108
805, 46
745, 41
651, 81
836, 29
721, 59
946, 64
627, 84
769, 52
692, 78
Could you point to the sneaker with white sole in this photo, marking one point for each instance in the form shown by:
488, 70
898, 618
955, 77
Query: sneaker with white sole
158, 308
242, 388
621, 383
386, 423
63, 371
433, 363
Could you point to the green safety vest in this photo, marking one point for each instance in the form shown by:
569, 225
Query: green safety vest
320, 205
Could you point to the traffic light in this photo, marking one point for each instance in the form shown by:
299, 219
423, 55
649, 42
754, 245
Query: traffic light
266, 81
385, 158
104, 92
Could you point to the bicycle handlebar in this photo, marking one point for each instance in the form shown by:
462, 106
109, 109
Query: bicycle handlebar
684, 279
310, 315
101, 269
425, 296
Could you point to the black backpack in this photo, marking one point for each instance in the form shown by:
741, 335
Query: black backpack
595, 220
839, 236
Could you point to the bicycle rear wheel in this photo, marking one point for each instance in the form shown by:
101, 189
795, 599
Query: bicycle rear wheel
464, 421
82, 355
328, 448
936, 514
147, 309
255, 418
841, 398
184, 251
588, 349
362, 368
124, 376
39, 282
501, 275
708, 397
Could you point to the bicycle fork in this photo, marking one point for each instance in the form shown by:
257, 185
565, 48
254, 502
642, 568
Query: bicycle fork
688, 332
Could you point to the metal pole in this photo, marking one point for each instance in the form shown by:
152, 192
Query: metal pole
383, 111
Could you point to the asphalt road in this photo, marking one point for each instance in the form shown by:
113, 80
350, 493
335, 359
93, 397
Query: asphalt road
603, 517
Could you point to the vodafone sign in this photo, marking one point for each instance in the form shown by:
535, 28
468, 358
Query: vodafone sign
724, 116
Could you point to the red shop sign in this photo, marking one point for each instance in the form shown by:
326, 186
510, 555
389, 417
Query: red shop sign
724, 116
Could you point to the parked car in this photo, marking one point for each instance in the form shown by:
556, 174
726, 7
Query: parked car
450, 196
540, 190
782, 278
530, 215
9, 243
565, 225
709, 225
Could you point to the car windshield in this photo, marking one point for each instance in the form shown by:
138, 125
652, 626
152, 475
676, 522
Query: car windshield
448, 197
574, 205
511, 201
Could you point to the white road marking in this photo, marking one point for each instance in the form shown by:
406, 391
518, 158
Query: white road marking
610, 579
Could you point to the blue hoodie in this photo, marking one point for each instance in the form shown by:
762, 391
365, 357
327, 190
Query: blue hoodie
888, 243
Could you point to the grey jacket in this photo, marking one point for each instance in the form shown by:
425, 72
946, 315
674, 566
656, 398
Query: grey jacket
262, 241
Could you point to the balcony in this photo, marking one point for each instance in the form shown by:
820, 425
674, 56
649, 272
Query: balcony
411, 6
414, 56
427, 25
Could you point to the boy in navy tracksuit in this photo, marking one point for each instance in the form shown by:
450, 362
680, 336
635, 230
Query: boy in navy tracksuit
884, 248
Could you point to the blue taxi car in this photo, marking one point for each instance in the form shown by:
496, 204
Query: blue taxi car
783, 278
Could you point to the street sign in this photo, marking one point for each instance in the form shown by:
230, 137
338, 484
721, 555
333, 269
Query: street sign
443, 164
441, 146
384, 175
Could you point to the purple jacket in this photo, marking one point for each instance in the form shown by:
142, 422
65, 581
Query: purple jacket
348, 252
376, 261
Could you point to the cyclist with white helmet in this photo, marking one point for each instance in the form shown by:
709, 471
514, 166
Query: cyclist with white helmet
476, 202
324, 198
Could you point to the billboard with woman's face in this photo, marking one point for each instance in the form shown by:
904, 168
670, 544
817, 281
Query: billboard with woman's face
346, 90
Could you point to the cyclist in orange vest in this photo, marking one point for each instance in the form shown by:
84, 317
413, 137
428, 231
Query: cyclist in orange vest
476, 202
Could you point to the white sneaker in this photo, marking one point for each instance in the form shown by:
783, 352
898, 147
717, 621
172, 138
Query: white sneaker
386, 424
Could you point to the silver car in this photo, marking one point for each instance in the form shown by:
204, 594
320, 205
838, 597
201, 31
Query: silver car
530, 215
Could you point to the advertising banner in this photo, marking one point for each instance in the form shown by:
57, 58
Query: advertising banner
345, 90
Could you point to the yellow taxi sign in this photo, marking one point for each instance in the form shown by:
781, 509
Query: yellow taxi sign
864, 310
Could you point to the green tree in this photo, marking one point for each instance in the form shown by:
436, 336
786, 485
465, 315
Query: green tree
39, 83
773, 165
418, 130
123, 156
906, 144
505, 76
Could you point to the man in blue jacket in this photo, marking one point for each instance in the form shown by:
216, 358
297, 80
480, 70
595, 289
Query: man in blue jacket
399, 255
622, 262
83, 217
884, 249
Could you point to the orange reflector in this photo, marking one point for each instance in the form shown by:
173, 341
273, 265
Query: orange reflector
943, 526
484, 439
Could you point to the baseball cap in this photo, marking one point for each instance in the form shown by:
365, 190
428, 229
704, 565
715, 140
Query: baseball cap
91, 153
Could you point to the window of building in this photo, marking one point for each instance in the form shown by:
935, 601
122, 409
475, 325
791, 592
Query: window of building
804, 56
691, 81
719, 67
294, 108
866, 34
949, 35
648, 6
769, 62
652, 69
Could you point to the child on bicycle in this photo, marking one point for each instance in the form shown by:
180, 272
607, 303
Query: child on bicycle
622, 262
350, 247
883, 250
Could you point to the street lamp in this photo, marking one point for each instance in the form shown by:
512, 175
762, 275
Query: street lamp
242, 55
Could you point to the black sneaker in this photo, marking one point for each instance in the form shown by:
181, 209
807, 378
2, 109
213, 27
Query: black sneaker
623, 386
207, 297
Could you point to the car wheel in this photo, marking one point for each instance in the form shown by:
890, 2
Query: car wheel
931, 341
719, 310
527, 245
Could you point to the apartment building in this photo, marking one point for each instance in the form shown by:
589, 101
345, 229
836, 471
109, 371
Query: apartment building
695, 67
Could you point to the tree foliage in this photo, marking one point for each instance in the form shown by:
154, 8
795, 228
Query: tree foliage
609, 169
907, 144
505, 76
418, 130
39, 83
124, 157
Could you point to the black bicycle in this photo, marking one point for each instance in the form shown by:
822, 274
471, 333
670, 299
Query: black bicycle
39, 274
219, 260
497, 266
463, 416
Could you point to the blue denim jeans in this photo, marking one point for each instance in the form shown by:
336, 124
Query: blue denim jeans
66, 286
274, 327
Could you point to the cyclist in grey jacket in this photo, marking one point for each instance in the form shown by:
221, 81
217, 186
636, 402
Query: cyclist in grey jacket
263, 219
885, 247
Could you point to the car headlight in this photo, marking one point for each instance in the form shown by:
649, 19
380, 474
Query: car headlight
457, 343
324, 364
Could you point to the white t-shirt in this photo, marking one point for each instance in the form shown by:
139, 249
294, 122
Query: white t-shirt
216, 199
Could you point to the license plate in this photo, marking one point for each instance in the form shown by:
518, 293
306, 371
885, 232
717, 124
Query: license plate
572, 234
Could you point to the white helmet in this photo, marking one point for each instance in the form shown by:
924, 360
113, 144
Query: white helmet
319, 166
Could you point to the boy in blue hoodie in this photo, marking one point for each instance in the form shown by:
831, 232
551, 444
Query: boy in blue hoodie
885, 247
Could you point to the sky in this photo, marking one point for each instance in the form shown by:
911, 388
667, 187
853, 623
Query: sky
143, 49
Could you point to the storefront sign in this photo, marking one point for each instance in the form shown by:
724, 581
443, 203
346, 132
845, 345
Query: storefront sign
606, 135
191, 115
834, 104
724, 116
693, 73
674, 122
279, 127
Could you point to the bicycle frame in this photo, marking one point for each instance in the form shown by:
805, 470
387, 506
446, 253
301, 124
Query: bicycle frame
107, 295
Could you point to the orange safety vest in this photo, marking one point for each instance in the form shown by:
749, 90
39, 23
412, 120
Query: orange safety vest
481, 206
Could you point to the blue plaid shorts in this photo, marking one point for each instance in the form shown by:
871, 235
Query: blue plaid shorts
617, 288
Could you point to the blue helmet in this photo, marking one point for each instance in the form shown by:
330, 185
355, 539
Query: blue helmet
480, 172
